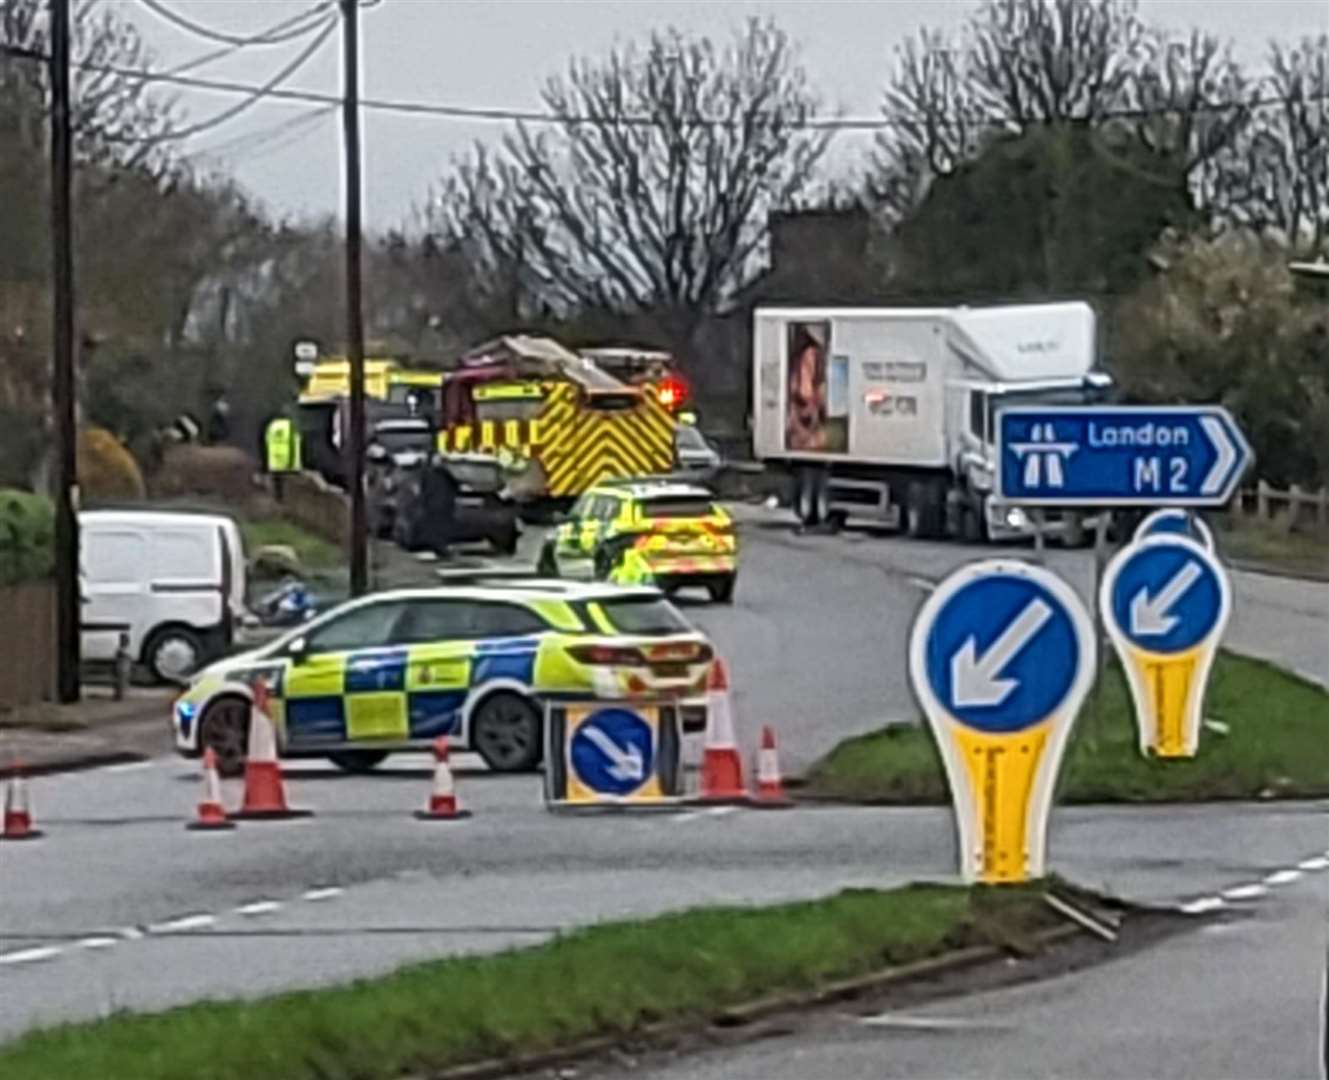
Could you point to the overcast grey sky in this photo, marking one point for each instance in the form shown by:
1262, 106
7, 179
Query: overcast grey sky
498, 53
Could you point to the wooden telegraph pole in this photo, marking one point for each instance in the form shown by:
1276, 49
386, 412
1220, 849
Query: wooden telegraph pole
355, 330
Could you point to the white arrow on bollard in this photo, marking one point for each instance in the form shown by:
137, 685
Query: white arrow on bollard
1149, 617
626, 763
976, 682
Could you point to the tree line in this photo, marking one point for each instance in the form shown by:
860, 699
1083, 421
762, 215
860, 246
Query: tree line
1047, 148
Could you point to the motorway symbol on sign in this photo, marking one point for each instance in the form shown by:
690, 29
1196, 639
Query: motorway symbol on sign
1176, 521
1165, 600
613, 751
1001, 655
1119, 456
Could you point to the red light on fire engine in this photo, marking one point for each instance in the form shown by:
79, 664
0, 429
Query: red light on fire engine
671, 393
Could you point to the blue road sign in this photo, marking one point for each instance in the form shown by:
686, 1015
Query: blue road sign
1119, 456
1167, 594
1177, 522
1003, 652
613, 751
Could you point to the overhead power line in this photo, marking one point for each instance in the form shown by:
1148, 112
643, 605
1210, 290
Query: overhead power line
254, 144
284, 31
535, 116
255, 95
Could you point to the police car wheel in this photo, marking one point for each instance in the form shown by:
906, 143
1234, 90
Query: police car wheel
505, 731
358, 761
224, 729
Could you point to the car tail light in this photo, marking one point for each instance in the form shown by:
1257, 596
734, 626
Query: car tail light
619, 655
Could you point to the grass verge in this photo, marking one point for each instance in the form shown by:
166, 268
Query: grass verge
604, 980
315, 553
1270, 548
1276, 746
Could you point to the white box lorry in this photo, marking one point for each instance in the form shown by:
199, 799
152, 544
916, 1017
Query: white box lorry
888, 414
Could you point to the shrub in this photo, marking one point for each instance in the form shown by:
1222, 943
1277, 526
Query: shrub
27, 525
106, 470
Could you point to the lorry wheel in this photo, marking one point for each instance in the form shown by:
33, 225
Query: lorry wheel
973, 524
721, 589
925, 509
1073, 531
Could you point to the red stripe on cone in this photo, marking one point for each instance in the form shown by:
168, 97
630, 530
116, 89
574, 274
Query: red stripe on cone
18, 813
770, 786
721, 762
442, 794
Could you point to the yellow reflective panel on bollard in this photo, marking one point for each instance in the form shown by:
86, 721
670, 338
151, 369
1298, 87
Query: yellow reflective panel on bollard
1001, 656
1166, 600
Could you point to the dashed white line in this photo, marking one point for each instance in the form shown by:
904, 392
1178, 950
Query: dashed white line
185, 922
28, 956
258, 907
128, 766
131, 933
1203, 905
97, 943
1283, 877
1318, 862
315, 895
1245, 892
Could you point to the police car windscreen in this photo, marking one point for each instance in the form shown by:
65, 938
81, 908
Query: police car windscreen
646, 615
678, 506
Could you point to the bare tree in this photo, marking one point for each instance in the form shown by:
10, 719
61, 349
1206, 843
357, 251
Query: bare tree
651, 193
1276, 177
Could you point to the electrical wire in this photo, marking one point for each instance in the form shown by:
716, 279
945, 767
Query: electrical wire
256, 94
532, 116
275, 35
230, 50
255, 143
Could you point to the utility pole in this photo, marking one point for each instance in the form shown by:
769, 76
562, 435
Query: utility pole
68, 614
355, 329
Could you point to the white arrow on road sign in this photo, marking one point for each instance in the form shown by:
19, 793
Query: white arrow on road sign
627, 763
975, 682
1150, 617
1226, 450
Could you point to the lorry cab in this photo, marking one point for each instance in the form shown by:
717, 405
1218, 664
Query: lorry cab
171, 584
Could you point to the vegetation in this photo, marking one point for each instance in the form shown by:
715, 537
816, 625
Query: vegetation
27, 527
315, 553
606, 980
1270, 743
106, 470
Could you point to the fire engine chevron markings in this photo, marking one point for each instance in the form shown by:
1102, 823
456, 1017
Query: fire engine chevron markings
627, 764
975, 681
1150, 616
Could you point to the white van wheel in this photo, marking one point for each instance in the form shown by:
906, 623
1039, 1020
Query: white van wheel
173, 655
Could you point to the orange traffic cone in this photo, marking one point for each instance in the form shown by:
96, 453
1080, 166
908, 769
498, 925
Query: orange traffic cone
443, 795
265, 794
770, 787
211, 812
721, 762
18, 814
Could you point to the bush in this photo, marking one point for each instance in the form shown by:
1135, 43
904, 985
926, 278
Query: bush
106, 470
27, 528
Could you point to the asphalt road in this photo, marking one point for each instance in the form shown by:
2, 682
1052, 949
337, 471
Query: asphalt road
120, 907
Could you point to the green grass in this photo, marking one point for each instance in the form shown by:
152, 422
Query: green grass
1277, 746
604, 980
315, 553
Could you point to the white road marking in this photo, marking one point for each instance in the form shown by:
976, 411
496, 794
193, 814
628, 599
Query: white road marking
1318, 862
314, 895
1245, 892
28, 956
931, 1023
97, 943
131, 933
709, 812
128, 766
258, 907
1203, 905
185, 922
1282, 877
921, 583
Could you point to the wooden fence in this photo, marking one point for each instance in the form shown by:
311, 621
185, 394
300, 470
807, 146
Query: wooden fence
27, 627
1291, 510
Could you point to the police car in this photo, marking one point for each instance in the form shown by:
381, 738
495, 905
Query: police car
663, 532
394, 670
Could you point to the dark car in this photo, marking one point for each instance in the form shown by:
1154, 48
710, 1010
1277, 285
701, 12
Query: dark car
433, 510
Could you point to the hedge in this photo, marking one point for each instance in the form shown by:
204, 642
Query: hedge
27, 525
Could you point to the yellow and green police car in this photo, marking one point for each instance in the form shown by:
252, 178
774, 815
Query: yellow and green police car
394, 670
663, 532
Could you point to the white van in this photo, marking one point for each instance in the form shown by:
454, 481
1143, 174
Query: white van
174, 582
